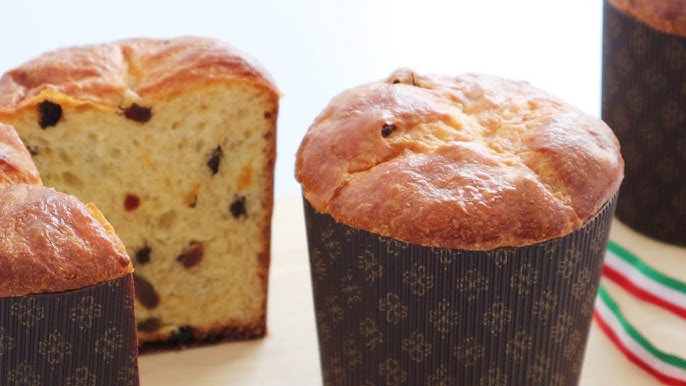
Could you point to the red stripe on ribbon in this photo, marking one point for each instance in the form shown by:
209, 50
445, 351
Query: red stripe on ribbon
640, 293
666, 379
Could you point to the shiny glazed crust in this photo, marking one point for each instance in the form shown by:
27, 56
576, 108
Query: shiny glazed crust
665, 15
473, 162
50, 242
124, 72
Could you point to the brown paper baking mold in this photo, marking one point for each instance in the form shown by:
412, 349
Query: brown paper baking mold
644, 102
393, 313
75, 338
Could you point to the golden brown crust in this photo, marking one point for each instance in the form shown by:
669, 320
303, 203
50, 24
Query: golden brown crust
16, 165
664, 15
120, 73
50, 242
473, 162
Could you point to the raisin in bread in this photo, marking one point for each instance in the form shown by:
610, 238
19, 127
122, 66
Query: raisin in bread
175, 141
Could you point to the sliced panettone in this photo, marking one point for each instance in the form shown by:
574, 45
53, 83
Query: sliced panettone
174, 140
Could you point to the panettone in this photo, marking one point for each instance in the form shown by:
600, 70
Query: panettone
472, 162
66, 284
174, 140
643, 99
456, 229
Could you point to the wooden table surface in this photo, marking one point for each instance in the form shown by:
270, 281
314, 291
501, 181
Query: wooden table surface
289, 354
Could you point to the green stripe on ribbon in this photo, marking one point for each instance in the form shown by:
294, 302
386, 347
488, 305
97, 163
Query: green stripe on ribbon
645, 269
634, 334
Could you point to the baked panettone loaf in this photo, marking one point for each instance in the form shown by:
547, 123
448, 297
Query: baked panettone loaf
473, 162
450, 219
643, 99
66, 284
174, 140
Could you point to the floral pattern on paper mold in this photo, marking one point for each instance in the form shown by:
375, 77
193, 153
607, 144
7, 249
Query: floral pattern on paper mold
392, 373
23, 375
522, 281
469, 351
54, 348
519, 345
473, 284
28, 312
85, 312
393, 308
416, 346
545, 305
497, 317
394, 313
440, 377
370, 333
494, 377
419, 281
443, 317
370, 265
538, 371
82, 377
65, 338
6, 342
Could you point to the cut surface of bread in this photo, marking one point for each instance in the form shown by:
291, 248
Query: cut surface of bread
183, 169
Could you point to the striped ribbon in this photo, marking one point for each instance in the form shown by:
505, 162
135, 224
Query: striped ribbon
644, 282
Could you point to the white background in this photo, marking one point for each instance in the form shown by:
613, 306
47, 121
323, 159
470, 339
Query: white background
317, 48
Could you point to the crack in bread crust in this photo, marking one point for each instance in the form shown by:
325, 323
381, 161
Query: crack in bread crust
535, 167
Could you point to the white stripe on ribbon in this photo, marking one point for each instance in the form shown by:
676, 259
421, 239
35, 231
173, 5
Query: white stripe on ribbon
635, 347
644, 282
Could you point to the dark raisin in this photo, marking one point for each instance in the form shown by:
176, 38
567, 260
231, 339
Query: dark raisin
149, 325
143, 255
396, 81
138, 113
131, 202
237, 207
184, 335
192, 254
267, 115
50, 114
387, 129
215, 159
145, 292
33, 150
